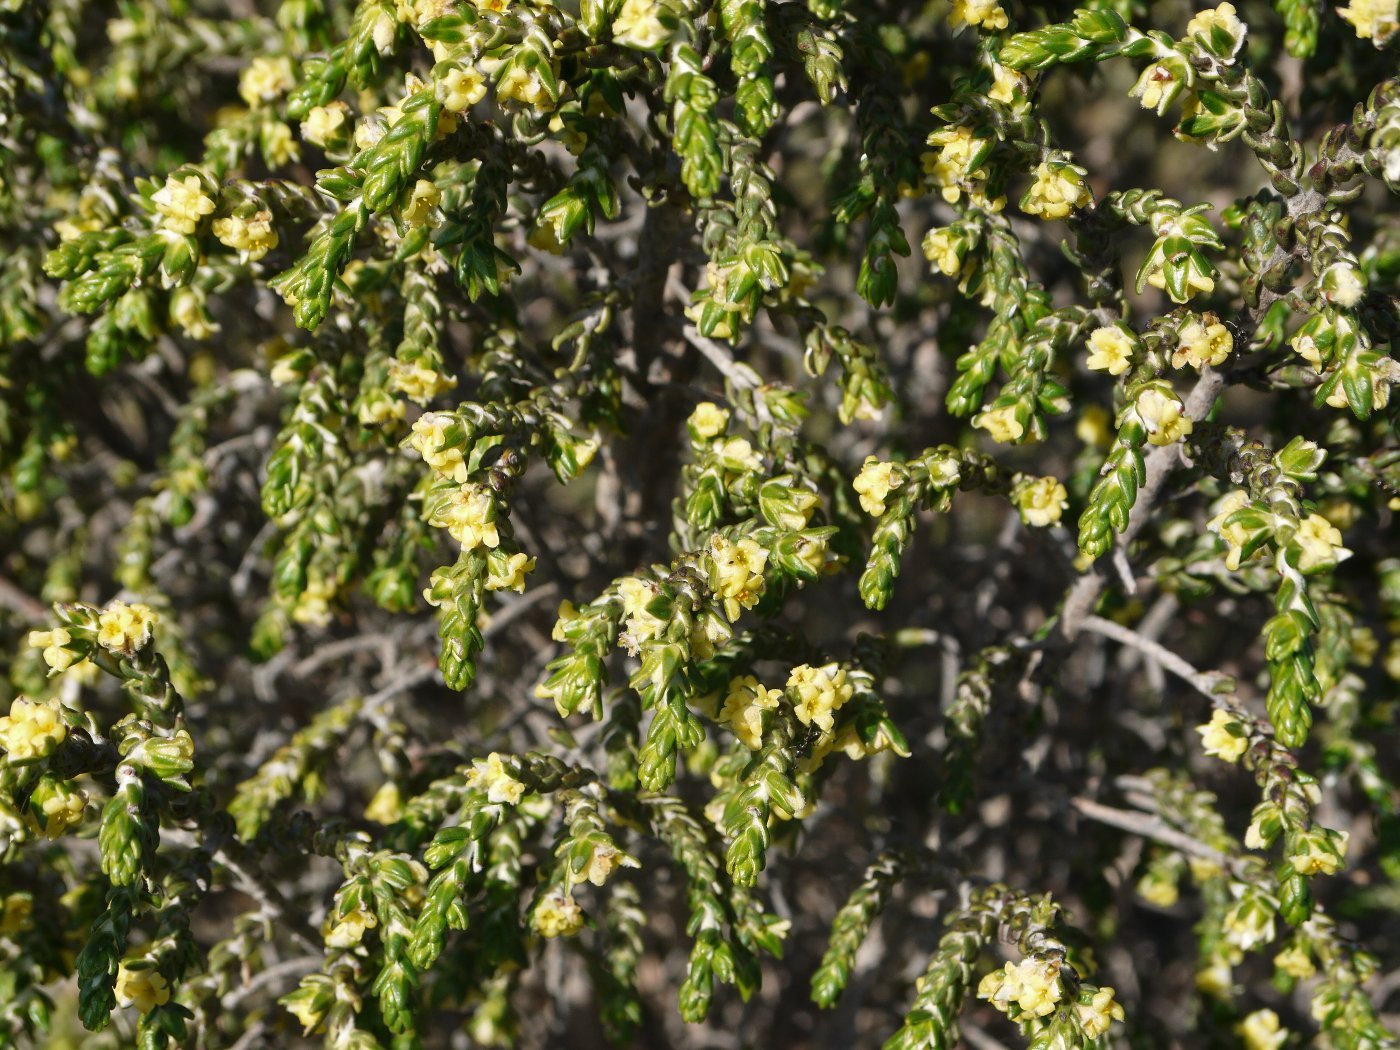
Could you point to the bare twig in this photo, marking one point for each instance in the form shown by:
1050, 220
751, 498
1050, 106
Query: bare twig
1150, 826
1218, 687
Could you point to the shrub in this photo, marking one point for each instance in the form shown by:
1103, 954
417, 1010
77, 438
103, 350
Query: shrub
1028, 619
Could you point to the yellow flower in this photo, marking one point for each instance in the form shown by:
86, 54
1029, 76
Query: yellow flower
1260, 1031
1316, 858
125, 627
490, 775
821, 692
52, 642
1376, 20
1058, 190
512, 578
421, 202
709, 419
954, 161
1040, 501
461, 89
1095, 1017
1007, 84
182, 204
1156, 88
387, 805
61, 805
418, 383
1158, 890
1195, 281
941, 249
875, 482
642, 625
744, 706
1001, 424
265, 79
1111, 350
187, 311
524, 86
1202, 343
469, 515
1033, 985
1296, 962
557, 916
638, 26
1223, 737
738, 573
1223, 17
1163, 415
252, 237
737, 454
1319, 543
430, 437
1092, 427
1236, 535
324, 124
603, 861
1215, 980
349, 930
1247, 925
141, 986
313, 605
985, 13
31, 730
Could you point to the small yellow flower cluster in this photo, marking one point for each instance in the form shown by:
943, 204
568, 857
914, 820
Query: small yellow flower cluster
1223, 737
1001, 423
325, 124
1040, 501
1202, 342
957, 166
188, 312
1111, 349
313, 604
1007, 85
941, 249
489, 774
1319, 544
1248, 923
1158, 86
737, 455
422, 201
349, 929
1033, 986
1058, 189
557, 915
744, 705
31, 730
1320, 852
143, 987
1376, 20
603, 861
1295, 962
1164, 416
1097, 1015
985, 13
61, 805
182, 203
52, 642
708, 420
821, 692
1261, 1031
642, 625
638, 25
523, 85
461, 89
875, 482
386, 807
251, 238
432, 440
1207, 25
469, 516
1236, 535
737, 577
512, 574
15, 913
266, 79
418, 383
1158, 889
125, 628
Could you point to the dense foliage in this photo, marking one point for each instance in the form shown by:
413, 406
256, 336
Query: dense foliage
502, 544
